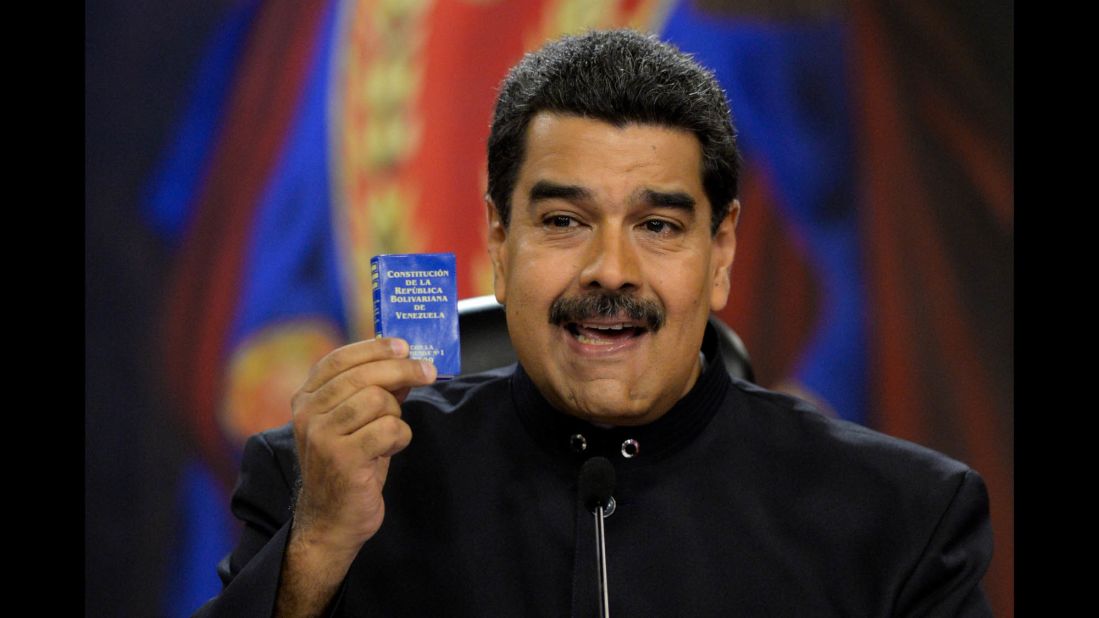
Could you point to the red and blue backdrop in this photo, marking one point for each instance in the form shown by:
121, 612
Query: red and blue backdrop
874, 272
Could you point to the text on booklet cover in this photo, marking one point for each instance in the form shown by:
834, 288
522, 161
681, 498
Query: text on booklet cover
416, 299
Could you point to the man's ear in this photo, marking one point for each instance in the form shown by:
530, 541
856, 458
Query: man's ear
497, 250
721, 258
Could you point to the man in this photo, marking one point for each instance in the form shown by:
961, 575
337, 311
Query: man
612, 213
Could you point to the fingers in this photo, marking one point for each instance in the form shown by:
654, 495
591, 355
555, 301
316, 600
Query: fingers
392, 375
361, 367
360, 408
384, 437
347, 423
353, 387
352, 355
357, 444
352, 436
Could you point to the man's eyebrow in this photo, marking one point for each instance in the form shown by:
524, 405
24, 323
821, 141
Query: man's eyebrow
669, 199
548, 190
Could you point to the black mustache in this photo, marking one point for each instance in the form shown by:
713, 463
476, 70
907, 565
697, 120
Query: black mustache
606, 305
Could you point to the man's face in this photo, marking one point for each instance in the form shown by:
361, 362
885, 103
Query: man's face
603, 211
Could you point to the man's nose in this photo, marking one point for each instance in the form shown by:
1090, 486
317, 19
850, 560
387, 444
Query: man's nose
612, 262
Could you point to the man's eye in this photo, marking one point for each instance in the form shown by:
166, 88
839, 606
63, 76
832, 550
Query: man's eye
658, 226
560, 221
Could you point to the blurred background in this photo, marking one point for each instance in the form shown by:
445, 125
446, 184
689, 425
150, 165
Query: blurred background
245, 159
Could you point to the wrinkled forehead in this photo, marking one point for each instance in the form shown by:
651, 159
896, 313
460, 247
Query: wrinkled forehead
574, 157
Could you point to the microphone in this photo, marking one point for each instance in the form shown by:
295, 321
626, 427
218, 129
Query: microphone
596, 486
596, 482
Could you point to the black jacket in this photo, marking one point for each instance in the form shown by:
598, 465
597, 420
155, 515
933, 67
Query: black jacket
738, 502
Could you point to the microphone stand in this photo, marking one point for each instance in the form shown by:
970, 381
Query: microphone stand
596, 486
601, 559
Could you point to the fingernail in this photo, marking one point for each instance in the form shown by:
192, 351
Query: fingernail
398, 346
429, 369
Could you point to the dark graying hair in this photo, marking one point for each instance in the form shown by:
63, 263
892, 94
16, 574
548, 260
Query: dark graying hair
620, 77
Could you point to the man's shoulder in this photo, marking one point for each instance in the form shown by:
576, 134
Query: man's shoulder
787, 424
274, 441
866, 500
868, 488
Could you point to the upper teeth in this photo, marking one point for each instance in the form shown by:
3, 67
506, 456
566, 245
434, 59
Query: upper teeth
605, 327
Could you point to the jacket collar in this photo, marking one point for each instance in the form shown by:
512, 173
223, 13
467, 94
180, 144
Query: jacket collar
570, 439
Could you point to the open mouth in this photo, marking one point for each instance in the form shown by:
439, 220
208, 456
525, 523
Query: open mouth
604, 333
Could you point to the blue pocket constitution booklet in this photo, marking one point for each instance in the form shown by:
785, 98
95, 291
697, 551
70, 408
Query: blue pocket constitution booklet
416, 299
